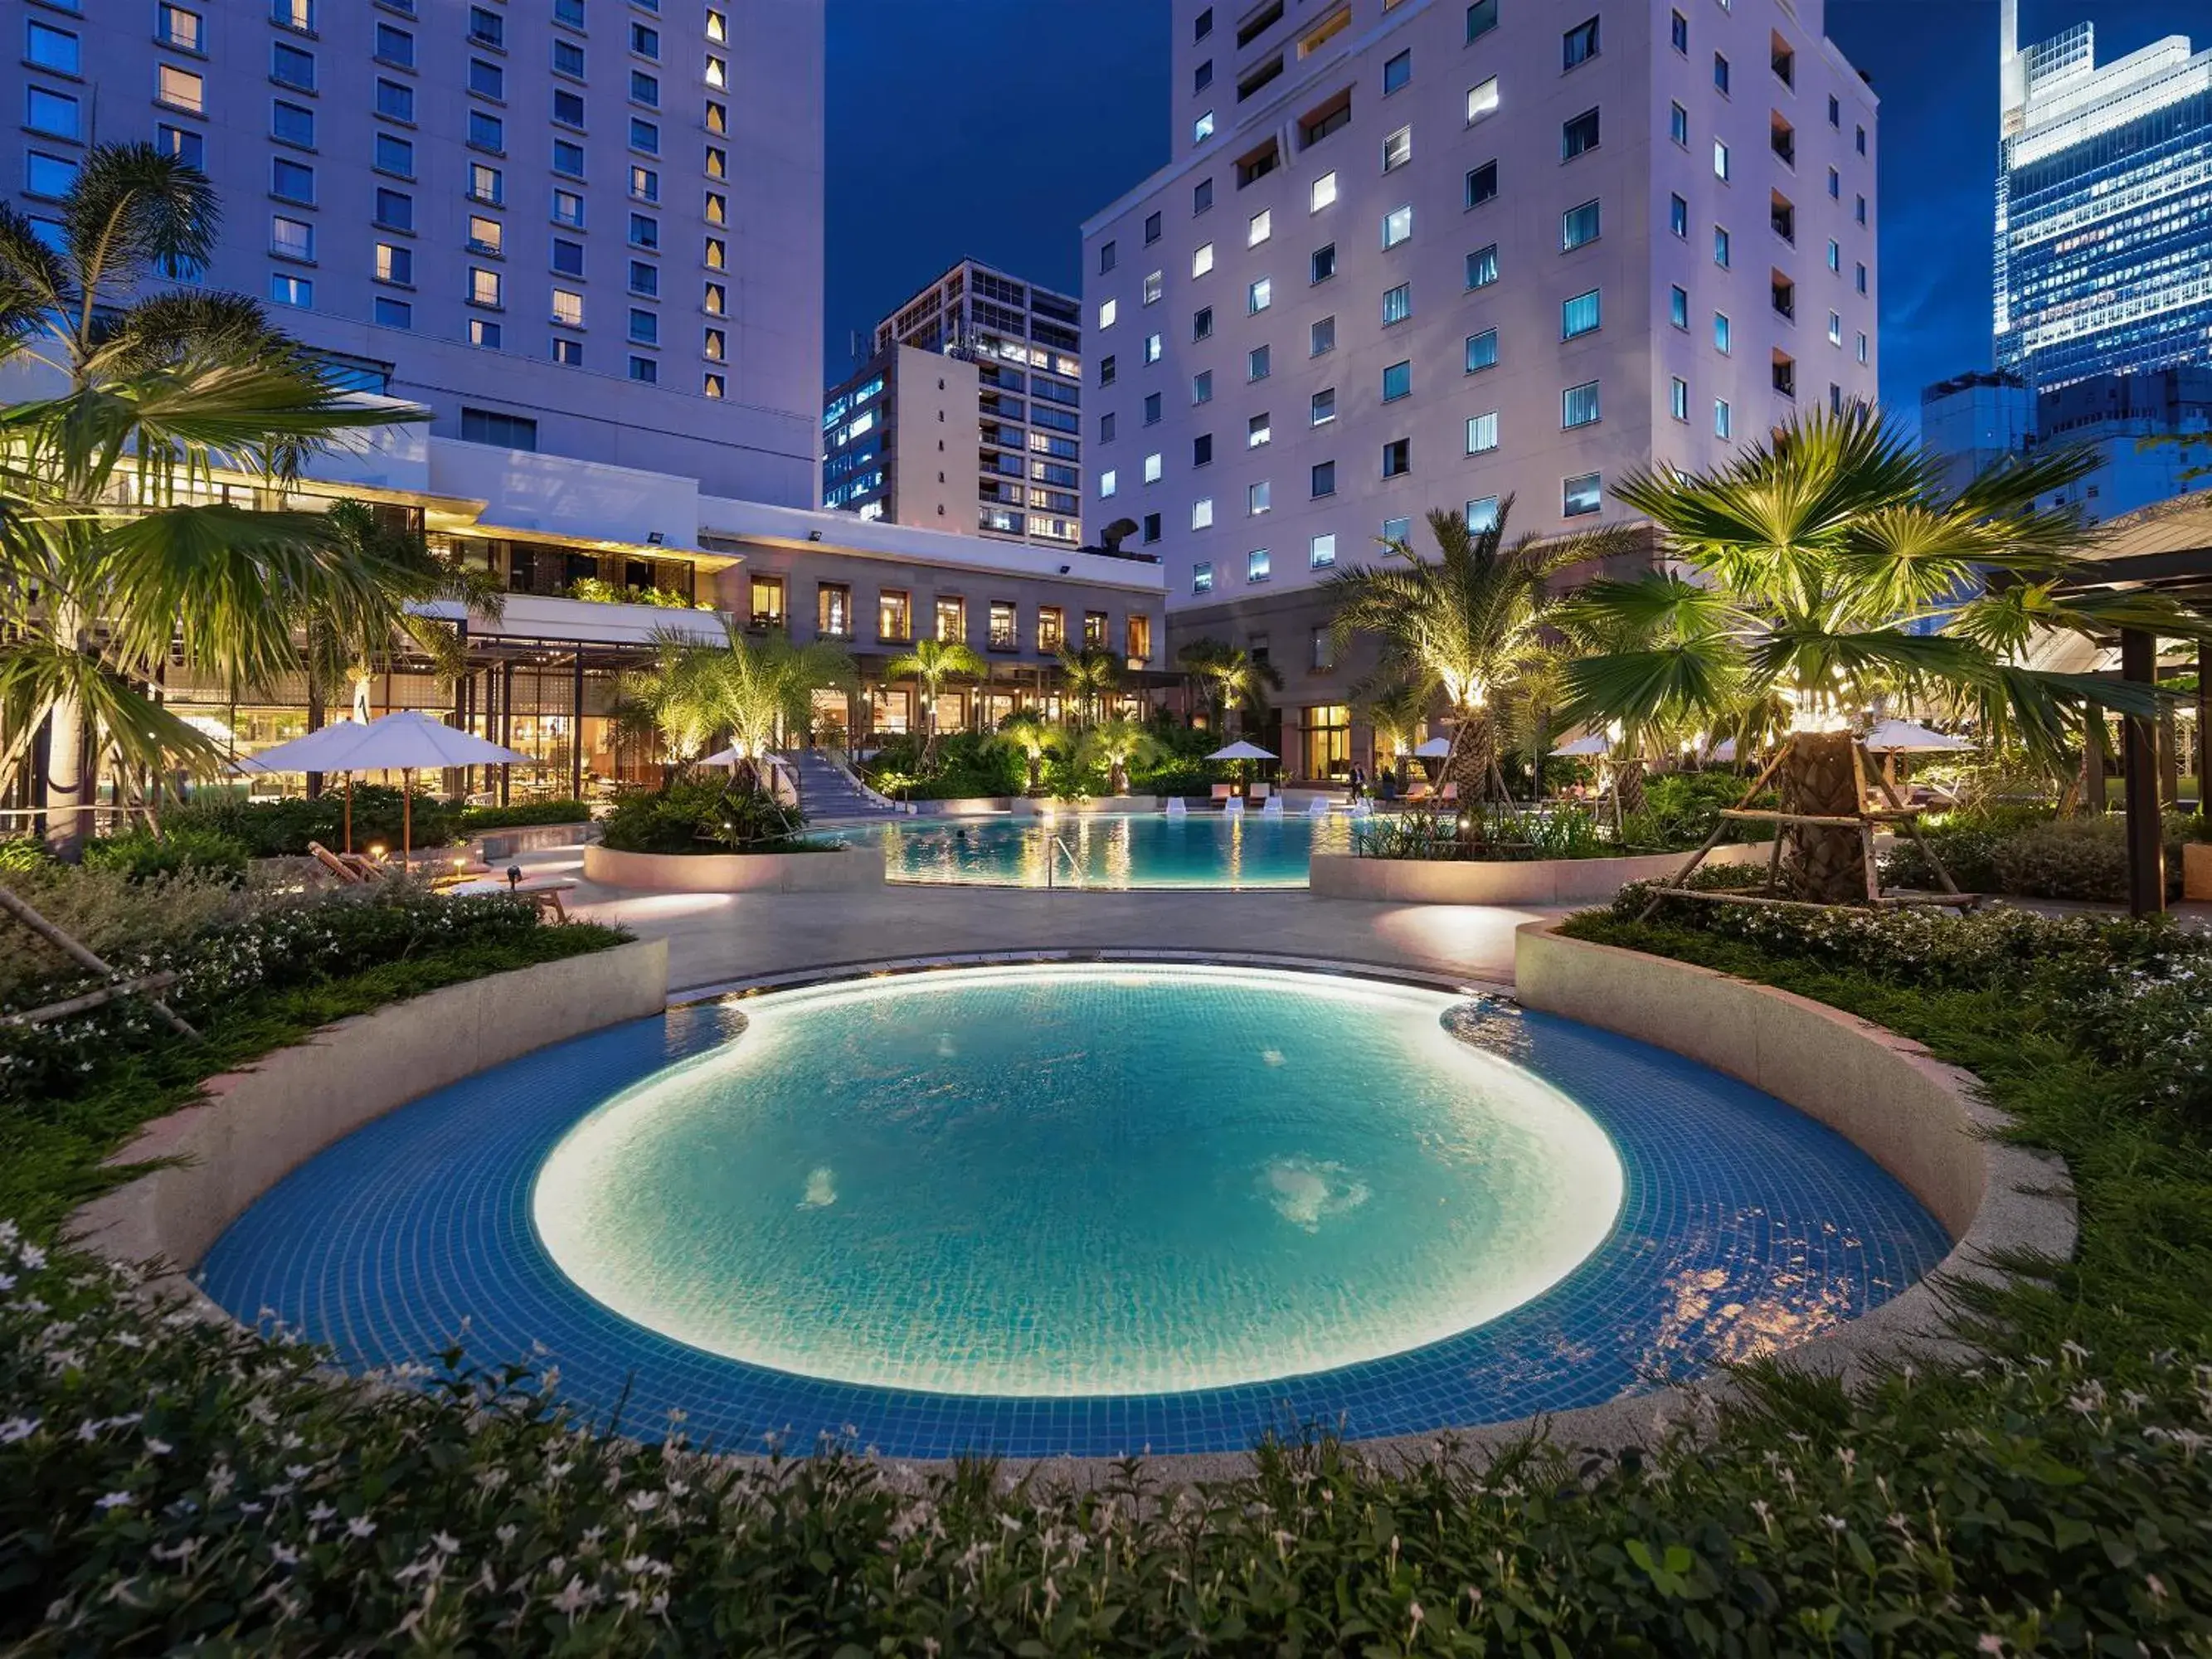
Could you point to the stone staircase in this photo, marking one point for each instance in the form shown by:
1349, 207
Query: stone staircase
827, 792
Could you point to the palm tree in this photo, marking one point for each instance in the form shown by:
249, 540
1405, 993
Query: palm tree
1465, 625
932, 662
1396, 712
1234, 678
1033, 737
1115, 744
750, 689
113, 551
1088, 676
1832, 567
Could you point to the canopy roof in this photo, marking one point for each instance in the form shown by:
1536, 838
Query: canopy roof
407, 741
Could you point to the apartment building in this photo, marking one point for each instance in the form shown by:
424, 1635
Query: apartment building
2104, 218
590, 229
969, 404
1424, 253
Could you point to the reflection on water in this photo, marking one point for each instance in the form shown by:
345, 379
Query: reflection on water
1109, 850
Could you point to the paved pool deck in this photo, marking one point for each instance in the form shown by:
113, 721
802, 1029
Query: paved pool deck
715, 938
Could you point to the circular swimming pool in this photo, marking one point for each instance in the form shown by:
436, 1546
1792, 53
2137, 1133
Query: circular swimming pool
1107, 849
1085, 1209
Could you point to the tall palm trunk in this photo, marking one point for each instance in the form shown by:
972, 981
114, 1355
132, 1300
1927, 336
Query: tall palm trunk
1823, 863
69, 796
1628, 784
1473, 756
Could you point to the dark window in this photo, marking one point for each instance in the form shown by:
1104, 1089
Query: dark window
1201, 450
291, 66
484, 426
1106, 254
1680, 27
486, 28
1578, 135
1205, 25
395, 209
1151, 228
291, 123
1201, 197
1481, 18
395, 100
1397, 458
1324, 479
1324, 262
568, 108
1151, 409
487, 79
1578, 45
395, 45
291, 181
1481, 184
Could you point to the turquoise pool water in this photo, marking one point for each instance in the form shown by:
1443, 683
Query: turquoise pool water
1079, 1181
1109, 850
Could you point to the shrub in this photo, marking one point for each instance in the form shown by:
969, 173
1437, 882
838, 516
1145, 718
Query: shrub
115, 915
2025, 851
141, 855
968, 765
704, 815
1494, 834
277, 828
19, 854
523, 814
1681, 809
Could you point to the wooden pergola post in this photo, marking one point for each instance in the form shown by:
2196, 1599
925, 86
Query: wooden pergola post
2204, 727
2146, 845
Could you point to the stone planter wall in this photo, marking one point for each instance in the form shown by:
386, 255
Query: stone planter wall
499, 844
2196, 869
842, 870
254, 1127
1539, 881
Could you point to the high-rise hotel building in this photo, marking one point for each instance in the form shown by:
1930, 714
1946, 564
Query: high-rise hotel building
968, 414
589, 227
2104, 217
1424, 253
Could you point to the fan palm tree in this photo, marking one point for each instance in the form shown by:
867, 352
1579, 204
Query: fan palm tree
749, 689
1463, 626
1033, 737
1115, 744
113, 549
1089, 676
1832, 567
930, 663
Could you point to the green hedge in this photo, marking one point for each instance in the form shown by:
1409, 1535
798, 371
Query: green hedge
475, 820
277, 828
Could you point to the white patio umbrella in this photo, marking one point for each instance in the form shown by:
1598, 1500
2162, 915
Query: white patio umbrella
1902, 736
1240, 750
1584, 747
1724, 751
1434, 749
406, 742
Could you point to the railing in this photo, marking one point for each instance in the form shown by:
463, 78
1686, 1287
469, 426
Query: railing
1052, 866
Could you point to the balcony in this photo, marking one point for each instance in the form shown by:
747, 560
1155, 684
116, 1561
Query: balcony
1783, 216
1786, 375
1784, 292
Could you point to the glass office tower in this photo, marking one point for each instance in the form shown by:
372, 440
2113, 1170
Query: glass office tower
2104, 216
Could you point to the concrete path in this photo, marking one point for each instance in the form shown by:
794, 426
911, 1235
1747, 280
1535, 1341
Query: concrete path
715, 938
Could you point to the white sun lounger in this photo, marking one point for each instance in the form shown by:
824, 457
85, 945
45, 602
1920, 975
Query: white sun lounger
1272, 807
1233, 806
1318, 807
1177, 807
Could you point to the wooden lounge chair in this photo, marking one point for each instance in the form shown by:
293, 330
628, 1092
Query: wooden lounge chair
351, 868
545, 893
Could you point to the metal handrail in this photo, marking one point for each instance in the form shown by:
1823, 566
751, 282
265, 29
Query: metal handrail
1051, 868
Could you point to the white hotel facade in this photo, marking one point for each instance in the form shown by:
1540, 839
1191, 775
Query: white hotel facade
1424, 254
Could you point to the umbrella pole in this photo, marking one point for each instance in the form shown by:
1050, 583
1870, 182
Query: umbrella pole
406, 815
348, 815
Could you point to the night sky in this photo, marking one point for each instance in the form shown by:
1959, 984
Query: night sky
992, 128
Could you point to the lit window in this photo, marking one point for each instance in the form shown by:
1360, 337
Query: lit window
291, 239
1397, 226
1323, 193
567, 307
1108, 482
1482, 513
1397, 304
1579, 406
1257, 565
1581, 495
1258, 498
1108, 310
484, 287
1152, 468
1720, 160
1482, 351
1323, 406
1835, 328
1201, 260
1152, 347
1397, 150
1482, 433
1259, 295
1201, 513
1397, 381
176, 26
1482, 99
1202, 129
1202, 577
1258, 432
712, 385
486, 184
1721, 332
1678, 398
1724, 419
1579, 315
1320, 552
1482, 267
291, 291
1155, 286
1262, 226
486, 236
178, 89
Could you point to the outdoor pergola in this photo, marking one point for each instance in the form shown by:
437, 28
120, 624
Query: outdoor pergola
2165, 550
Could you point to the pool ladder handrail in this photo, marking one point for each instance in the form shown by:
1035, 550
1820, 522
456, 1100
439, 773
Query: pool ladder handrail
1051, 868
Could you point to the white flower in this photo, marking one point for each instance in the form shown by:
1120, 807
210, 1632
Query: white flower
572, 1598
17, 1428
115, 1500
360, 1526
